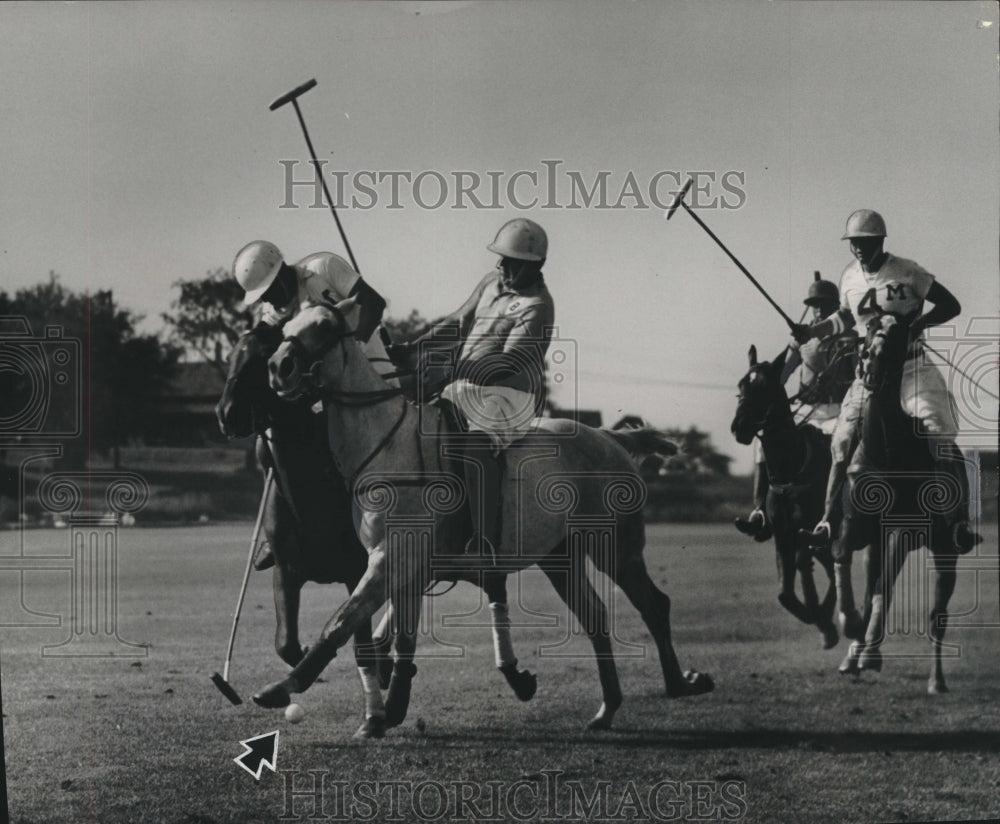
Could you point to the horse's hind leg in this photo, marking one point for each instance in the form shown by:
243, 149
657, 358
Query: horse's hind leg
630, 574
523, 682
575, 589
944, 586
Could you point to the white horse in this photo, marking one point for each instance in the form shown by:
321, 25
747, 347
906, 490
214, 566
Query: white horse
557, 476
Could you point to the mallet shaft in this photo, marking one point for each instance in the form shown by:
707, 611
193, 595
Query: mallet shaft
741, 267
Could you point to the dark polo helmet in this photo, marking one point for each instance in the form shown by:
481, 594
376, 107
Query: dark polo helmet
821, 291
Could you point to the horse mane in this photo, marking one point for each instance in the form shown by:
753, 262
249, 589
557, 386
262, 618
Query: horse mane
642, 442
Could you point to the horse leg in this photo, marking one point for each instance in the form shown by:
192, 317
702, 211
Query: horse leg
405, 606
893, 556
369, 595
653, 604
856, 623
944, 586
366, 658
575, 589
382, 640
820, 617
785, 558
523, 682
287, 587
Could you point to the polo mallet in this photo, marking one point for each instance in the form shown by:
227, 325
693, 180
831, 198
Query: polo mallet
292, 97
222, 681
679, 201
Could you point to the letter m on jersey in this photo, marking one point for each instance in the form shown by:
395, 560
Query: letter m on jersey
895, 291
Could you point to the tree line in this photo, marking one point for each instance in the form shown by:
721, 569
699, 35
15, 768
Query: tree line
122, 372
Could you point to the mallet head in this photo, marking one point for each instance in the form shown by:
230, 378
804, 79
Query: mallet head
288, 98
226, 689
678, 198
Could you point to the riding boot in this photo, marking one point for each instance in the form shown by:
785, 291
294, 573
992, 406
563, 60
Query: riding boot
482, 483
950, 462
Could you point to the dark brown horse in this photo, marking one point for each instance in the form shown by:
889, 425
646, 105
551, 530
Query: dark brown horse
897, 501
798, 462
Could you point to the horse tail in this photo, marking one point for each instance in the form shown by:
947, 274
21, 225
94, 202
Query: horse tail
642, 442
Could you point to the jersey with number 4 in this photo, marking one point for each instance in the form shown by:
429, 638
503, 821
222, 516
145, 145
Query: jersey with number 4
899, 286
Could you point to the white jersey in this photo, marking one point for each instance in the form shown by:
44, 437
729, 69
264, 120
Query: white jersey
899, 286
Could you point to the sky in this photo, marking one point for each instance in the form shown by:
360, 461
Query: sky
139, 150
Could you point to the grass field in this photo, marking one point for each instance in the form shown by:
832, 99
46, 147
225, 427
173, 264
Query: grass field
784, 737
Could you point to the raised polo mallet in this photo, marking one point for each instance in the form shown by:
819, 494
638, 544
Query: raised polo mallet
679, 201
222, 681
292, 97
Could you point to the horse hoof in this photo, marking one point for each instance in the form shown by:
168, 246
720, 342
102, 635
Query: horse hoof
599, 723
830, 636
849, 666
693, 683
870, 659
371, 727
523, 682
936, 686
274, 696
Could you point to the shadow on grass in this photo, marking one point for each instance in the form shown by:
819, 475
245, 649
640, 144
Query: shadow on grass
974, 741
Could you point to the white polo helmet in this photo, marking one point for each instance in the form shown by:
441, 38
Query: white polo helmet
522, 239
864, 223
256, 266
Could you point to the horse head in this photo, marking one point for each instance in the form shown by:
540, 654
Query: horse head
303, 363
886, 345
241, 409
761, 394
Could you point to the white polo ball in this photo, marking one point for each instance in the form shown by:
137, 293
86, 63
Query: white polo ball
294, 713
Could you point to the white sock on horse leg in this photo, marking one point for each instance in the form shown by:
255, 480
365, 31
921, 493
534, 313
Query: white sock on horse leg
500, 623
374, 707
875, 625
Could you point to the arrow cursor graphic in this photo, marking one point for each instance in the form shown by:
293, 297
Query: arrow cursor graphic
261, 751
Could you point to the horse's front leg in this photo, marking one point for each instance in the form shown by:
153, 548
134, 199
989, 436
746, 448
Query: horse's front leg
523, 682
367, 660
944, 586
892, 556
784, 550
405, 611
359, 607
287, 586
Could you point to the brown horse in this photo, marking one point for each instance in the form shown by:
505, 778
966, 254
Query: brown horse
897, 502
309, 527
798, 463
407, 512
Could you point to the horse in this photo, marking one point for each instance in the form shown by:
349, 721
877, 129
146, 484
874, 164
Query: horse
897, 501
388, 449
309, 527
798, 463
